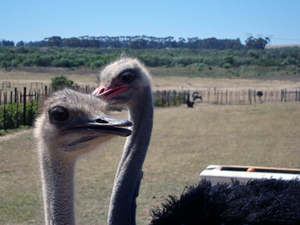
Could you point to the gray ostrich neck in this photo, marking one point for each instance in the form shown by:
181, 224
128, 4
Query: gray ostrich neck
58, 189
122, 208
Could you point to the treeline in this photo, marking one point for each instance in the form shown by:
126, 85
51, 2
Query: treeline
182, 57
132, 42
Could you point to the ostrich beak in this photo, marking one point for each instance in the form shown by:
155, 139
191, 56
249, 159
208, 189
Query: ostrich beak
109, 92
104, 125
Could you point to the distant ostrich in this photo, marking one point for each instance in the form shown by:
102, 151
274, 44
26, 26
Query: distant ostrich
196, 95
270, 201
259, 94
70, 125
188, 102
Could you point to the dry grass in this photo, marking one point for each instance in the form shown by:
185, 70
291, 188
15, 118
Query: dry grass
176, 78
22, 77
184, 142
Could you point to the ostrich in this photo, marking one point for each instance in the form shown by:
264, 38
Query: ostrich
128, 82
259, 94
188, 102
264, 202
269, 201
70, 125
196, 95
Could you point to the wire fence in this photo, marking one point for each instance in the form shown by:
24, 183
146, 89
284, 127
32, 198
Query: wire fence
19, 107
248, 96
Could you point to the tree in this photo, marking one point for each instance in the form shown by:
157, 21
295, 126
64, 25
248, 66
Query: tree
7, 43
72, 42
256, 43
60, 82
211, 43
20, 43
54, 41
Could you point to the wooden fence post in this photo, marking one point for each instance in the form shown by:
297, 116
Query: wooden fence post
250, 96
265, 96
208, 96
11, 94
284, 95
17, 102
271, 94
24, 106
4, 111
169, 100
16, 95
221, 97
226, 95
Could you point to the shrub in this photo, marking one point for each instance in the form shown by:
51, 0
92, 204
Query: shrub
97, 64
226, 65
4, 63
11, 115
60, 82
31, 112
201, 66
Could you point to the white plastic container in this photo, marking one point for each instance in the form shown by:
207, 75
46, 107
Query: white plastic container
224, 173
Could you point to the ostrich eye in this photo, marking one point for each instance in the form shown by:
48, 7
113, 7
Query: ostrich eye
127, 75
59, 113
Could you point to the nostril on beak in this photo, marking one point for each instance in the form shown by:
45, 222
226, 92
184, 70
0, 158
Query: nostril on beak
101, 121
98, 91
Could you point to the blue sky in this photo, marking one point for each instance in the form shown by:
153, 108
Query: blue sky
34, 20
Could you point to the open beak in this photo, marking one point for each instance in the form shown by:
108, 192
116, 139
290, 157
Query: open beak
109, 92
104, 125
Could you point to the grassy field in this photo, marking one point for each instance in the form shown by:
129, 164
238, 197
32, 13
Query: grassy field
184, 142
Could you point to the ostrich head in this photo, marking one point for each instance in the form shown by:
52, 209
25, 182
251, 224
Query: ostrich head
127, 76
75, 123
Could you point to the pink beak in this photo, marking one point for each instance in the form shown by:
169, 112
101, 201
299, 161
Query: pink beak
107, 92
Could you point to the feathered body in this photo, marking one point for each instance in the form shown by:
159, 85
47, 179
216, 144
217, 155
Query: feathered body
266, 201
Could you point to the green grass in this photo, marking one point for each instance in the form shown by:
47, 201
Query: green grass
184, 142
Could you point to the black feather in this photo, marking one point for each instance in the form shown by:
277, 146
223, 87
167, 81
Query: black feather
267, 201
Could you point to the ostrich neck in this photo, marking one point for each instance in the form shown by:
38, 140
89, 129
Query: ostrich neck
58, 188
126, 185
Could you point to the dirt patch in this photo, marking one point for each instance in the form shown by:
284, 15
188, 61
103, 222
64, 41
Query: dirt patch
14, 135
